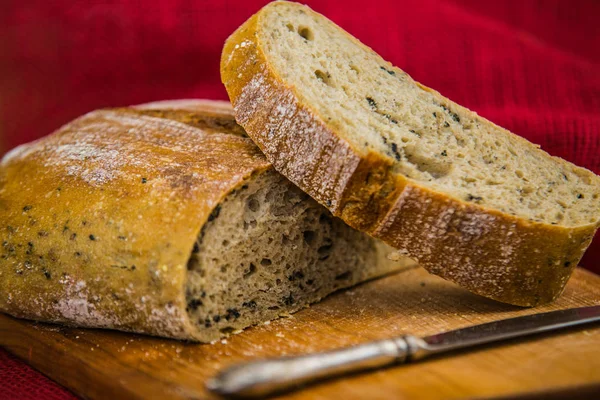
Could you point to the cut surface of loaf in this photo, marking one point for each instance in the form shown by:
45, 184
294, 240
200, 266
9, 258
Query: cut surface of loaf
165, 219
268, 250
366, 140
429, 139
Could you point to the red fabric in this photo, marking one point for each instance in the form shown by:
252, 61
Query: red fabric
20, 381
532, 66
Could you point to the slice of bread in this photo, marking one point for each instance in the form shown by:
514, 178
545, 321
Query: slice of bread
166, 219
471, 201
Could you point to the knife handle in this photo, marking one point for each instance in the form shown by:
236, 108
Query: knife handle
261, 378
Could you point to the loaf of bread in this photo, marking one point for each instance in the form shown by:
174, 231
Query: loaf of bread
166, 219
471, 201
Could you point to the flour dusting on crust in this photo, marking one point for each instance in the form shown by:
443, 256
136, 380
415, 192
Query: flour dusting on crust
326, 165
77, 307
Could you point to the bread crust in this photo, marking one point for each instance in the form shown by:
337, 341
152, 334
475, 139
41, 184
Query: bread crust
488, 252
99, 219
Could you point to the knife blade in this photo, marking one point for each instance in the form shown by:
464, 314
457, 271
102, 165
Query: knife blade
265, 377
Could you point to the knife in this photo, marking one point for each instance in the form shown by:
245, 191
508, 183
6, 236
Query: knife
265, 377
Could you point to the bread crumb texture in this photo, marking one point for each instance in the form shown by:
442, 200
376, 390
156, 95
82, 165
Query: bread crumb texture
363, 138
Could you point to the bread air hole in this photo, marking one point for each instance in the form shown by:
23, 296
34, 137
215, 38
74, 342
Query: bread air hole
436, 168
250, 271
559, 216
323, 77
324, 251
253, 204
309, 237
306, 33
493, 182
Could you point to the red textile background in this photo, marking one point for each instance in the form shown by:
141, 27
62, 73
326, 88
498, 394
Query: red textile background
532, 66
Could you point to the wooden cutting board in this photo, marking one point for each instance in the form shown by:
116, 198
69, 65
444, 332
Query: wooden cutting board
103, 364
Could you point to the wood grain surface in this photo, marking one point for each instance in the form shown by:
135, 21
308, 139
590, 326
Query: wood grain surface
103, 364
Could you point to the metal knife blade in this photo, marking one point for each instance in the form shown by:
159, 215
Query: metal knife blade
511, 328
260, 378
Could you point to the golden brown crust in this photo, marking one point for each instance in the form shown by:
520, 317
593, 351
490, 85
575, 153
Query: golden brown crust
219, 107
494, 254
139, 181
